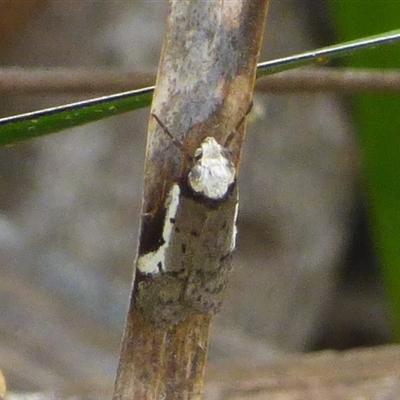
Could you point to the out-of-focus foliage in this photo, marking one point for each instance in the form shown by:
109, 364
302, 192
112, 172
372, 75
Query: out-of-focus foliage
377, 117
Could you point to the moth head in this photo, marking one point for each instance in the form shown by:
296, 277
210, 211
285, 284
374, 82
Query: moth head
209, 149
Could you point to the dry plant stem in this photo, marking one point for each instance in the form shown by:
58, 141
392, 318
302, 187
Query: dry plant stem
2, 386
61, 80
369, 373
65, 80
363, 373
340, 80
204, 87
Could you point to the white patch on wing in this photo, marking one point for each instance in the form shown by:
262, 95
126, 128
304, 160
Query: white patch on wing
213, 172
234, 230
154, 262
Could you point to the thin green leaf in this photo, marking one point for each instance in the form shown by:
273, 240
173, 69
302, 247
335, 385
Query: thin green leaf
51, 120
27, 126
322, 56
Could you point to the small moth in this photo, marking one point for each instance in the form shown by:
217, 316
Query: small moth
212, 172
187, 273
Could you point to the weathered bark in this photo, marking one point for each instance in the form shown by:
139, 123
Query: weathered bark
204, 88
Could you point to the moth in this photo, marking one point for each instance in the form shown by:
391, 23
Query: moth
212, 172
187, 273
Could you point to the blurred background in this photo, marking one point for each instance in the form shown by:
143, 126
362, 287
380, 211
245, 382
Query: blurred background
305, 274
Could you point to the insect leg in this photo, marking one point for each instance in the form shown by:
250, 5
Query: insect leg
239, 124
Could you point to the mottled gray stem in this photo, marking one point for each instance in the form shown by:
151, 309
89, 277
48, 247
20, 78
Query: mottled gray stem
203, 90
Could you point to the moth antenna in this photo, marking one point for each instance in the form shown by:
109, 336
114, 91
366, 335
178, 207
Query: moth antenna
239, 124
175, 141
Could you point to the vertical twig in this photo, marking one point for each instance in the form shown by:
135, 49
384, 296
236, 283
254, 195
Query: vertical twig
204, 88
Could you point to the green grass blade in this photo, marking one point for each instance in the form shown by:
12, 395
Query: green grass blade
51, 120
325, 54
27, 126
